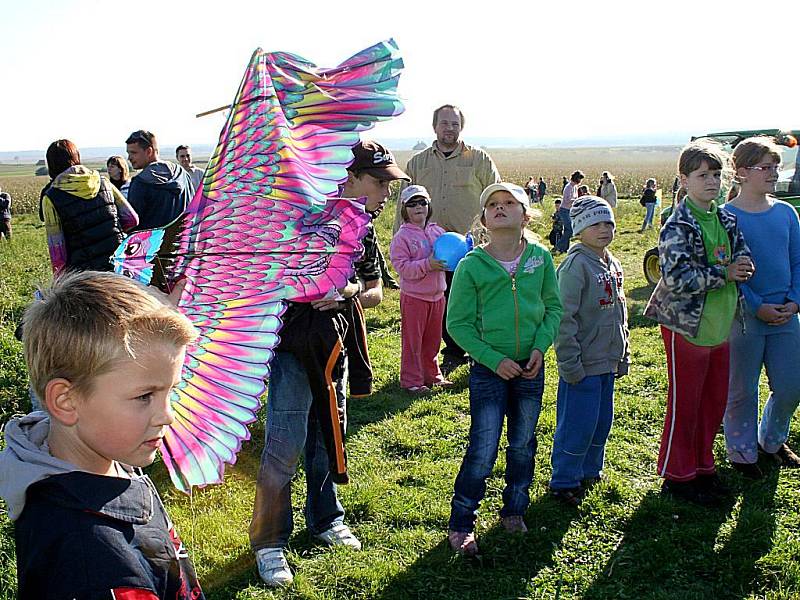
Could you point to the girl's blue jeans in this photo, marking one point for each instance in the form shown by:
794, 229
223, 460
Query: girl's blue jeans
777, 349
650, 209
584, 414
491, 400
566, 235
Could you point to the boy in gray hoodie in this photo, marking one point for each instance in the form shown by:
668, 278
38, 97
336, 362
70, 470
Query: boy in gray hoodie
591, 349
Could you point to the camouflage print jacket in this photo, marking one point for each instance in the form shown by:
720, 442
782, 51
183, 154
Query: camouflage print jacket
677, 302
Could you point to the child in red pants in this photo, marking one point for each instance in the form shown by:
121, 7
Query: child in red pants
422, 287
703, 256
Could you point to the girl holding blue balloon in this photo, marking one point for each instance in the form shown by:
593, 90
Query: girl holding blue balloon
422, 286
504, 311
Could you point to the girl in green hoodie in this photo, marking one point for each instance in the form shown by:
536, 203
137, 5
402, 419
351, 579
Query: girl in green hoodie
504, 310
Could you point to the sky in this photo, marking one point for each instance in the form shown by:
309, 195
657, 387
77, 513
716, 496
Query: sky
94, 71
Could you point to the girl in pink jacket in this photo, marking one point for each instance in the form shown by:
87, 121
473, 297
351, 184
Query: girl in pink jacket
422, 287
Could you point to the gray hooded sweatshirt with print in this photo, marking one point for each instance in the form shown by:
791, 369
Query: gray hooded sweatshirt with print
593, 335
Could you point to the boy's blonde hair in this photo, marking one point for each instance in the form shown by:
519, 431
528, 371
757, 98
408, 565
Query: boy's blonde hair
87, 321
752, 151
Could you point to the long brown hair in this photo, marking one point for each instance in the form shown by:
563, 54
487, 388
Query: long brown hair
122, 165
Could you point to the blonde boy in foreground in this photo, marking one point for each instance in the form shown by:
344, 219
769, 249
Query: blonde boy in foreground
103, 354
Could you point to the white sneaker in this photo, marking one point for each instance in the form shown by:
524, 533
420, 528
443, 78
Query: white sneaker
339, 535
273, 568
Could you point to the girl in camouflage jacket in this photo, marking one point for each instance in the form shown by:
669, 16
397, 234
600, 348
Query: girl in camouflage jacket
703, 256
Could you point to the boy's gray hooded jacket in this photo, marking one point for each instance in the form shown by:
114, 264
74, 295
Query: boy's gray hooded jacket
593, 335
26, 459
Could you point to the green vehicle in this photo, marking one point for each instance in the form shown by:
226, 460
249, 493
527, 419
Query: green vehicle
788, 178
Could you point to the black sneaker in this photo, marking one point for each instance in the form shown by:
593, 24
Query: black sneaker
688, 492
590, 482
568, 496
749, 470
712, 485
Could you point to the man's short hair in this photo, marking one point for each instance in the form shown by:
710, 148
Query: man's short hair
452, 107
143, 138
577, 177
87, 321
181, 147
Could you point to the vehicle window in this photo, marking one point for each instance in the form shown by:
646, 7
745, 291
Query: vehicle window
789, 177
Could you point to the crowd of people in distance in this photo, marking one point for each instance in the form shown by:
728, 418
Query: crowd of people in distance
727, 305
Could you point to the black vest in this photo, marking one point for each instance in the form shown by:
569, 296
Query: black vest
91, 228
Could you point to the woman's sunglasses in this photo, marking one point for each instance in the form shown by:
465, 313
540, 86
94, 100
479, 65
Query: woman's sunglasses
413, 203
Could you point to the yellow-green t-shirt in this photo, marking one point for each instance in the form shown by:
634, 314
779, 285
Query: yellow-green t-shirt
720, 306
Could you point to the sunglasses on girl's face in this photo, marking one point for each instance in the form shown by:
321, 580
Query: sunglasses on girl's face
413, 203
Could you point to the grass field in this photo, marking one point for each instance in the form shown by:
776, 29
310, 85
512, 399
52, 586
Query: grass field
625, 541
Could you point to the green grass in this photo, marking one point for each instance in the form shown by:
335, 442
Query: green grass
625, 541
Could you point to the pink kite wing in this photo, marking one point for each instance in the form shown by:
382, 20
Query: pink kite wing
264, 228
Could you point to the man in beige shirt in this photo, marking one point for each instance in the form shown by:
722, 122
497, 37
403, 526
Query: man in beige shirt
455, 174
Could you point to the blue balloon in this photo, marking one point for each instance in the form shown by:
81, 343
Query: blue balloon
450, 247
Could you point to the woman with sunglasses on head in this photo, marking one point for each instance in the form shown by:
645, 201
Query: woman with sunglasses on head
770, 333
422, 286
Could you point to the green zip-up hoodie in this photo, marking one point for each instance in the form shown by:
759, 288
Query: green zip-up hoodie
494, 315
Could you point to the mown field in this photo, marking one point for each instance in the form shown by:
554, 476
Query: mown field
625, 541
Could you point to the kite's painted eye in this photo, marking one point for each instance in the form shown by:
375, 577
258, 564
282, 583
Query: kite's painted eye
133, 249
127, 273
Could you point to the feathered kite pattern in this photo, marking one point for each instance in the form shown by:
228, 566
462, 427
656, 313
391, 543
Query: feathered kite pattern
264, 228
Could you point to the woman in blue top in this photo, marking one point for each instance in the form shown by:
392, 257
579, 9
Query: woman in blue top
770, 334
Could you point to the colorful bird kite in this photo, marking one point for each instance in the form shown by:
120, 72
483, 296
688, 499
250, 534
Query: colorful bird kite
264, 228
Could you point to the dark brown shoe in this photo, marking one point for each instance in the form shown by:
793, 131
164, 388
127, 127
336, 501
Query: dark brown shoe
787, 458
749, 470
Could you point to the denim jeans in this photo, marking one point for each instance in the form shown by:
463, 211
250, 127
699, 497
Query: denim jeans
292, 429
650, 209
491, 399
566, 235
584, 414
777, 348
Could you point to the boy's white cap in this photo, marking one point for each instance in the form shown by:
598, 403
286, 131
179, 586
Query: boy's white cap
588, 210
512, 188
413, 191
